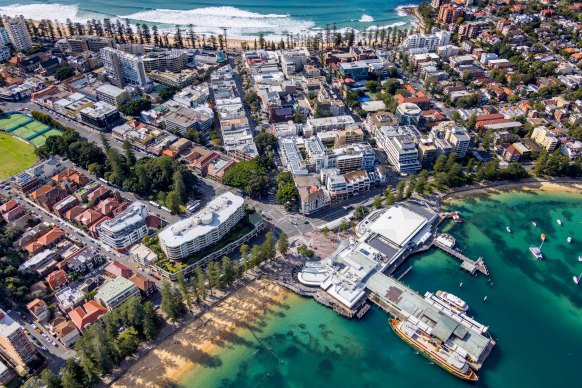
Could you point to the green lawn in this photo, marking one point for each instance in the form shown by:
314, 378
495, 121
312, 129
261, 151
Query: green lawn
15, 156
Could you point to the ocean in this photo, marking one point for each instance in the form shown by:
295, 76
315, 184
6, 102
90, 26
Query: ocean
242, 18
533, 309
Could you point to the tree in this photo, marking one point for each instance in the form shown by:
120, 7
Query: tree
226, 271
360, 209
400, 190
172, 302
72, 376
325, 231
64, 72
377, 202
150, 322
213, 275
48, 379
184, 290
421, 182
134, 108
283, 244
540, 164
129, 154
128, 341
201, 283
167, 93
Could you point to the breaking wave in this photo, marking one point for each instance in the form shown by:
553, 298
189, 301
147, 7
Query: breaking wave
366, 19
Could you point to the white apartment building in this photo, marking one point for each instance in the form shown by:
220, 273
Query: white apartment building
203, 229
403, 154
124, 68
126, 228
327, 124
429, 42
449, 137
545, 138
112, 95
17, 32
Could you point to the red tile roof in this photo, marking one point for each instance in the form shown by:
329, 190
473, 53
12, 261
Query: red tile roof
116, 269
87, 314
57, 279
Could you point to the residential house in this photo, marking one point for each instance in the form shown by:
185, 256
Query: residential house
116, 269
39, 310
84, 316
146, 287
57, 279
66, 331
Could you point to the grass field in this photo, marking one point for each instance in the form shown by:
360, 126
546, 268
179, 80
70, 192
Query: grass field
15, 155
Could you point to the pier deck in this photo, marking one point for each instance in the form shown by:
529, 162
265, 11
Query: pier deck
467, 264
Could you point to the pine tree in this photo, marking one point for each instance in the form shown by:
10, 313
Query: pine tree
201, 283
147, 37
283, 244
213, 275
178, 41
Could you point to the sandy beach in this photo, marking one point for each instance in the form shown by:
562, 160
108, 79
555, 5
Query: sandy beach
565, 186
198, 342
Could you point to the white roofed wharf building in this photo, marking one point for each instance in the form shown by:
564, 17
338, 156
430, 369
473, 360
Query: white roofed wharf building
205, 228
127, 228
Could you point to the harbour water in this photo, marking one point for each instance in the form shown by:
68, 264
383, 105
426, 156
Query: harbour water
241, 18
534, 311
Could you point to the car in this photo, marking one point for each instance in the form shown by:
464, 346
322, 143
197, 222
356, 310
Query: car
43, 348
38, 331
26, 331
306, 222
33, 326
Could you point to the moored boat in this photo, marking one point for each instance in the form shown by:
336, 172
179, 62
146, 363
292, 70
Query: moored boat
508, 230
534, 224
569, 239
537, 252
559, 221
433, 349
452, 300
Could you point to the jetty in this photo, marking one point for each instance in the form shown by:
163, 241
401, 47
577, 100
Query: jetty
446, 243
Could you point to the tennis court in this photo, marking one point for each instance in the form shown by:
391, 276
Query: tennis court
12, 121
27, 131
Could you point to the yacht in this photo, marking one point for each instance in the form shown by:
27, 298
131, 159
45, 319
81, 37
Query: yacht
508, 230
559, 221
537, 252
453, 300
569, 239
534, 224
580, 258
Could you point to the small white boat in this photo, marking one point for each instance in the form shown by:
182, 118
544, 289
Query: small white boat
452, 300
485, 299
580, 258
577, 278
559, 221
508, 230
569, 239
534, 224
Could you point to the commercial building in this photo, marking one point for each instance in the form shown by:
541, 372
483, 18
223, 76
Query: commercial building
125, 229
205, 228
408, 113
17, 32
112, 95
101, 115
327, 124
183, 119
358, 71
123, 68
14, 344
116, 291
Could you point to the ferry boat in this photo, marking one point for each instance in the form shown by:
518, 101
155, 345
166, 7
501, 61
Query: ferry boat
434, 350
453, 300
559, 221
508, 230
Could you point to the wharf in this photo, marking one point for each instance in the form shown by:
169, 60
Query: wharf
467, 264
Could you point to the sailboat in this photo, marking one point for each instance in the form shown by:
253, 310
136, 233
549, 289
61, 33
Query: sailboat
537, 251
577, 278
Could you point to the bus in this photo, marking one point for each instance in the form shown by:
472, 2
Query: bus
104, 181
155, 204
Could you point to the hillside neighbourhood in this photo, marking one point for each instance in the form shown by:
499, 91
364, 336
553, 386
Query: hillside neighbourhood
167, 170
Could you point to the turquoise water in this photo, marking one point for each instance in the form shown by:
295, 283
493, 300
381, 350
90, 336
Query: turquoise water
534, 311
242, 17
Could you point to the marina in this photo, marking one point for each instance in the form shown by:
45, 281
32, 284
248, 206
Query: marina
355, 274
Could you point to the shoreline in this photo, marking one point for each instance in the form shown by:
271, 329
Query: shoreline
565, 186
197, 343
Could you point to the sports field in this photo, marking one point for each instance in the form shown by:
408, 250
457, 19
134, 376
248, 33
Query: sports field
14, 124
15, 155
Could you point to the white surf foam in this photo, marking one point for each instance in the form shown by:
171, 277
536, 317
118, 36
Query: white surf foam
393, 25
213, 19
366, 19
60, 12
